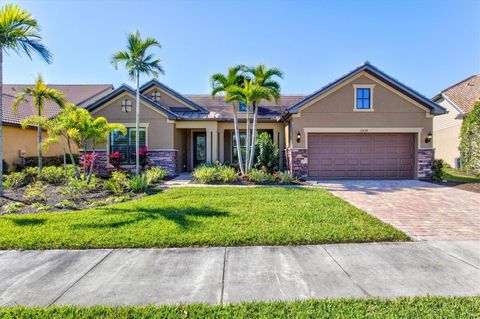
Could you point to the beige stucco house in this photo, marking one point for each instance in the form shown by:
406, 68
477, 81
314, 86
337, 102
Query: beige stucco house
458, 100
363, 125
19, 143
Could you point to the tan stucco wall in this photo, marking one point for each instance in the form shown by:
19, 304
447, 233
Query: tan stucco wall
336, 110
446, 133
165, 98
16, 138
160, 133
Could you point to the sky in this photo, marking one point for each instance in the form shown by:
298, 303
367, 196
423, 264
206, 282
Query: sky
427, 45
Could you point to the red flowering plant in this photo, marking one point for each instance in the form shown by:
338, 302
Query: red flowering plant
88, 159
115, 159
143, 154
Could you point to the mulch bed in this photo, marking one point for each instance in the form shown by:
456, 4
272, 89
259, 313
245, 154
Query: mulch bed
471, 187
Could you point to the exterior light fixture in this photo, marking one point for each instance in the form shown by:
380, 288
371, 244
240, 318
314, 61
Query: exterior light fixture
299, 136
126, 105
429, 138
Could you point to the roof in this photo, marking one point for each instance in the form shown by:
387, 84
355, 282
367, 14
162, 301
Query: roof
218, 109
79, 94
179, 96
463, 94
369, 68
126, 88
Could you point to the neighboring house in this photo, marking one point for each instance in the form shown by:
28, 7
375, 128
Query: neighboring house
458, 99
18, 142
363, 125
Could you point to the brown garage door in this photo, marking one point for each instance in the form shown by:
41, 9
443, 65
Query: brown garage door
360, 156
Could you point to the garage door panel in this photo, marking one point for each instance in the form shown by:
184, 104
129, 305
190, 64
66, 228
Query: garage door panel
361, 155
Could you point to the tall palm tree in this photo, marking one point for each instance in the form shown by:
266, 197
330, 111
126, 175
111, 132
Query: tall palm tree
40, 94
137, 62
263, 77
249, 93
221, 84
20, 33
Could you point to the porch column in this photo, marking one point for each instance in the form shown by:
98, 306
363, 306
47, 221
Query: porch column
221, 143
212, 145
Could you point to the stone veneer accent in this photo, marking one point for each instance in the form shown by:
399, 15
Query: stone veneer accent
297, 160
166, 159
425, 161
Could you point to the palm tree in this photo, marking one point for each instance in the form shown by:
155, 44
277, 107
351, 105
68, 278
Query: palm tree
40, 95
137, 62
20, 33
263, 77
221, 84
249, 93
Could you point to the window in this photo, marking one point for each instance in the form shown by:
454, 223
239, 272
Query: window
125, 144
243, 144
156, 96
458, 162
363, 99
243, 107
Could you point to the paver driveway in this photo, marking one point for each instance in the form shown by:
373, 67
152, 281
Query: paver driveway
423, 210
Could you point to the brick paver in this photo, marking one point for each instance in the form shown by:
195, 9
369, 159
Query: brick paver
425, 211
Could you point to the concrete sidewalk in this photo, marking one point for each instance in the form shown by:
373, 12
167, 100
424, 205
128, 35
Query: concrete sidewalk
229, 275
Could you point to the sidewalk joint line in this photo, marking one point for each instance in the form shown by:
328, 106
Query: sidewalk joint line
353, 281
223, 275
457, 258
81, 277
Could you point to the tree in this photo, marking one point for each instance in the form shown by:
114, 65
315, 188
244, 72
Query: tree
20, 33
221, 84
40, 94
470, 140
137, 62
76, 126
264, 78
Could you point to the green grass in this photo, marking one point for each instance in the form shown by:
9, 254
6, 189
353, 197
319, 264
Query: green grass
418, 307
457, 176
200, 216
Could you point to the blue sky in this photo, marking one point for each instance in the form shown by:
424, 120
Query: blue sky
427, 45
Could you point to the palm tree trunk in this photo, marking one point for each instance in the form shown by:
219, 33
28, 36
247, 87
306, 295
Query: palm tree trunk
90, 173
237, 140
137, 127
39, 146
247, 141
254, 135
1, 120
75, 169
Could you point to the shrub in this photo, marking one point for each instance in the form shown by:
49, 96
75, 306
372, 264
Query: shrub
32, 161
40, 207
138, 184
437, 170
74, 190
4, 167
266, 153
12, 208
15, 180
226, 174
36, 193
260, 177
113, 186
143, 151
66, 203
89, 159
155, 174
31, 173
285, 178
470, 141
115, 159
53, 175
120, 177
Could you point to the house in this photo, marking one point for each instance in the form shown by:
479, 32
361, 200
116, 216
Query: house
365, 124
458, 100
18, 142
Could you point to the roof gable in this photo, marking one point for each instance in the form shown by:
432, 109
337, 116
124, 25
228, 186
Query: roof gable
463, 94
370, 69
172, 92
125, 88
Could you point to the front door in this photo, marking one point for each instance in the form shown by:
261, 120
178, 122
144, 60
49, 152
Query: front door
199, 148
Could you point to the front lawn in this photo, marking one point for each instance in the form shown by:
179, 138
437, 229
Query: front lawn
201, 216
417, 307
458, 176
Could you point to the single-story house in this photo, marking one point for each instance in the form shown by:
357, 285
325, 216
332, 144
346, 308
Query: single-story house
458, 100
18, 142
365, 125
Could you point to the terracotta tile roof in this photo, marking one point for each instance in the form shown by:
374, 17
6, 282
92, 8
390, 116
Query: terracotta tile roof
464, 94
220, 110
81, 94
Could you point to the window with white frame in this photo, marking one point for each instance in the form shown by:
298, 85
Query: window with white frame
363, 97
125, 144
156, 96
